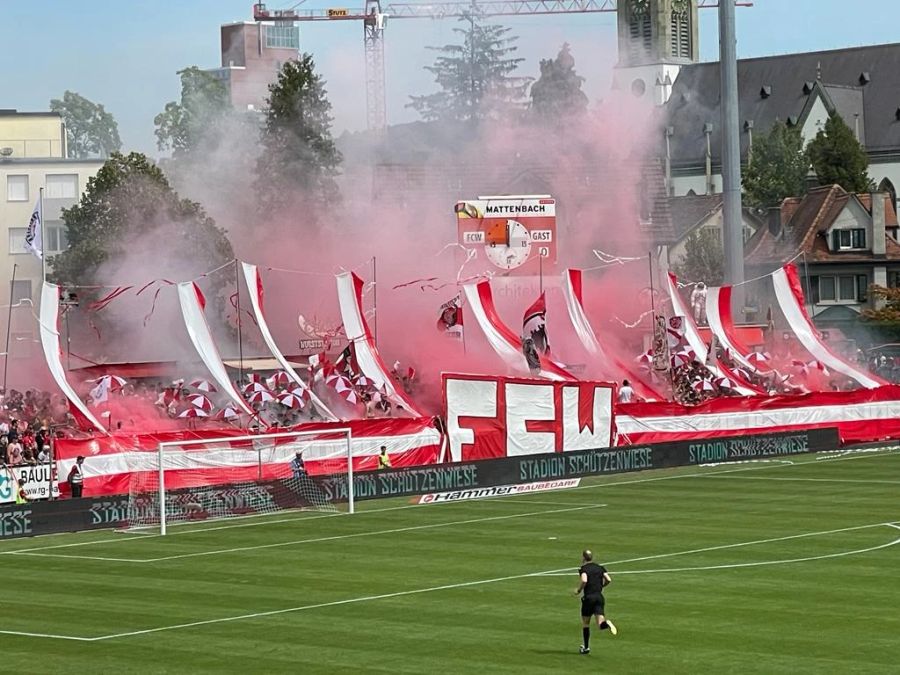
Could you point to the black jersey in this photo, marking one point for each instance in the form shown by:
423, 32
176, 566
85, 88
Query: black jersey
594, 572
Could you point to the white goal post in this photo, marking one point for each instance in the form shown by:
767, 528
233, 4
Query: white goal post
240, 476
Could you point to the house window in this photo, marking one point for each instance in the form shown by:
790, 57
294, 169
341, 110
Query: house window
848, 239
21, 290
55, 238
61, 186
17, 188
17, 240
845, 288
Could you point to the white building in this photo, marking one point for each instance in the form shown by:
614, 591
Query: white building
32, 156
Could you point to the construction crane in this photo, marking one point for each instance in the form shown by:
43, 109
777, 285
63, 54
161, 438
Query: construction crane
374, 17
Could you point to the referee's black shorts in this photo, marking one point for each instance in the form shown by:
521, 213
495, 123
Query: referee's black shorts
592, 605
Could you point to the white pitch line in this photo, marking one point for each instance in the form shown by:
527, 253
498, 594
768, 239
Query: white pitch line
722, 547
385, 596
874, 453
315, 540
817, 480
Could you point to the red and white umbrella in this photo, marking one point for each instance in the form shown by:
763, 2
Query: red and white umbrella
226, 413
645, 360
683, 357
759, 358
279, 379
292, 401
260, 397
193, 412
800, 367
301, 392
203, 385
345, 390
111, 383
703, 385
254, 377
201, 402
254, 387
334, 380
723, 382
364, 382
818, 365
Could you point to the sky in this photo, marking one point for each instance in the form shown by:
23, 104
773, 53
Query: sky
125, 53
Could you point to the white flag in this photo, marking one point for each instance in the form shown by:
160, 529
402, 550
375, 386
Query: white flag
100, 393
34, 236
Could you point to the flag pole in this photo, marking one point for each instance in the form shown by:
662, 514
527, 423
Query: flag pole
43, 241
540, 272
375, 295
9, 325
237, 289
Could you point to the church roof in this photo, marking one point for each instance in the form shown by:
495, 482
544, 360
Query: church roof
862, 81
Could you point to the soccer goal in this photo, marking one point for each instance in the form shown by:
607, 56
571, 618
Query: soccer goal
239, 476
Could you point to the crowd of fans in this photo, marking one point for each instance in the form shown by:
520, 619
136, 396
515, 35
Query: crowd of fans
26, 420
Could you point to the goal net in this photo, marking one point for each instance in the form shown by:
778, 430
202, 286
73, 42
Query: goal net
240, 476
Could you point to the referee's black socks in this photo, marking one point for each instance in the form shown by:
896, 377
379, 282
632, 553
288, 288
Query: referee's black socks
586, 636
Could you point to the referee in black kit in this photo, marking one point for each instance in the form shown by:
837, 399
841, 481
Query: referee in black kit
593, 578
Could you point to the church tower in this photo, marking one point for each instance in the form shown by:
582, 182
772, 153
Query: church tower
656, 38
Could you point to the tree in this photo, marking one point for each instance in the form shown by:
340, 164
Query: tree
778, 167
475, 78
129, 200
703, 258
556, 96
182, 126
90, 130
838, 158
299, 159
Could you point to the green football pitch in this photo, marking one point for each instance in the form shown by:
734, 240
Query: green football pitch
767, 567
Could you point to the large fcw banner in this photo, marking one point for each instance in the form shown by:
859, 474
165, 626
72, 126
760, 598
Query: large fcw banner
491, 416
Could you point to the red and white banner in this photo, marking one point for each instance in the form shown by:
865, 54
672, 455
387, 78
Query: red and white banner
350, 288
503, 417
114, 463
718, 315
692, 335
573, 293
254, 285
53, 354
789, 293
192, 305
502, 338
860, 416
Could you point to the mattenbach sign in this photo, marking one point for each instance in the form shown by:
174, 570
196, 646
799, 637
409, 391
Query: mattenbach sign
504, 417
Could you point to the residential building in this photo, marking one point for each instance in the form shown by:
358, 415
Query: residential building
700, 213
842, 242
252, 56
36, 160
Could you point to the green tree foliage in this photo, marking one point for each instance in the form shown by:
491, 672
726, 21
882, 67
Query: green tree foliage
130, 198
704, 259
888, 311
838, 158
185, 125
90, 130
299, 159
778, 167
475, 78
556, 96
